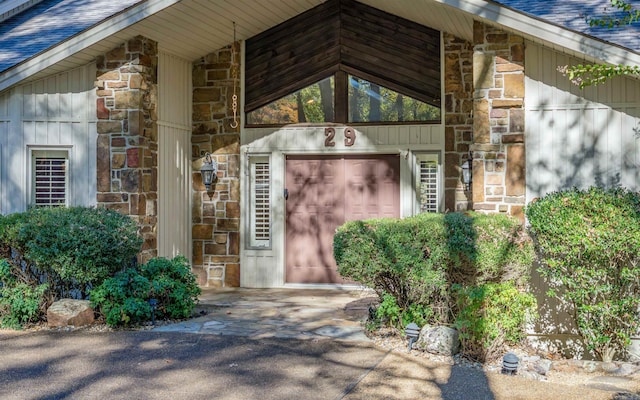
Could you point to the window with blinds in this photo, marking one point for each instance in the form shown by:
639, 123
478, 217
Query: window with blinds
427, 183
49, 178
260, 204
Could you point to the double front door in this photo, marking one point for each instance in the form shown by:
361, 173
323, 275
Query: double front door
323, 192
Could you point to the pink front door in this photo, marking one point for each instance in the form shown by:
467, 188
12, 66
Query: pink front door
323, 193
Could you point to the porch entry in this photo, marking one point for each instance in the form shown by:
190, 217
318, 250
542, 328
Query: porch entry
322, 192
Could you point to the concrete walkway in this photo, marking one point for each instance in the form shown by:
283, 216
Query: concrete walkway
246, 347
280, 313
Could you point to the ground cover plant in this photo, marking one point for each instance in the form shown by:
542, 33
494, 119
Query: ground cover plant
125, 298
589, 247
424, 269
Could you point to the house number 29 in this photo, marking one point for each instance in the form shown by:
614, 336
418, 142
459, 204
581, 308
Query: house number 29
330, 135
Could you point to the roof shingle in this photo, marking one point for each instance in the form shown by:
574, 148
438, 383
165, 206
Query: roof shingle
573, 14
50, 22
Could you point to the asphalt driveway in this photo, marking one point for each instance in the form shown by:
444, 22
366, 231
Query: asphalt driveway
250, 344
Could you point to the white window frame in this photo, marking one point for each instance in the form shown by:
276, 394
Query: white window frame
49, 152
435, 177
263, 204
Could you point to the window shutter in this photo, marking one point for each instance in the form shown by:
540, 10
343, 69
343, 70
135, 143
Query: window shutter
427, 187
260, 203
50, 181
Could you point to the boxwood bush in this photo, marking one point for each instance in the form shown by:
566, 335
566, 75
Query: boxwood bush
68, 249
589, 247
414, 263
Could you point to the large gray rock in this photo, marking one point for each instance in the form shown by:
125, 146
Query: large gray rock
67, 312
439, 340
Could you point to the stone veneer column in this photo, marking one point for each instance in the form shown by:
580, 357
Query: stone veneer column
458, 88
498, 127
127, 162
216, 215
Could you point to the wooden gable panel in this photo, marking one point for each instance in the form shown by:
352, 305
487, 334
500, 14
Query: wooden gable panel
343, 35
292, 55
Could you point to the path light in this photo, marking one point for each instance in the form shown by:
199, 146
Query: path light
208, 170
510, 364
412, 331
154, 305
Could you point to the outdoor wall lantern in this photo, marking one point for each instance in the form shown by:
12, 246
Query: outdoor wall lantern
466, 171
208, 170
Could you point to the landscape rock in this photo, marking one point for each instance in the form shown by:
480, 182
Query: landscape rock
542, 366
66, 312
440, 340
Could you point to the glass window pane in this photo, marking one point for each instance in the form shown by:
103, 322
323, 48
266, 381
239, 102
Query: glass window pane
369, 102
312, 104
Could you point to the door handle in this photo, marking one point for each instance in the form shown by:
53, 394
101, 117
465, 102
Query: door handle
286, 194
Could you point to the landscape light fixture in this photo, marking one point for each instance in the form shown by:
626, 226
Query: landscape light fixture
510, 364
413, 332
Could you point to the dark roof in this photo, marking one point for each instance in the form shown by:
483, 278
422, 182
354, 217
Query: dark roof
573, 14
50, 22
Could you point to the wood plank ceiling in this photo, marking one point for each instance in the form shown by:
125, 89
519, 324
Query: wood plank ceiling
343, 35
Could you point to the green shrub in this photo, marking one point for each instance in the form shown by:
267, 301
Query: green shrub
20, 304
589, 247
74, 248
124, 298
386, 256
417, 259
492, 316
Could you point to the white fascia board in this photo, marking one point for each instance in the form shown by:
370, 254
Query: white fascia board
538, 28
81, 41
9, 8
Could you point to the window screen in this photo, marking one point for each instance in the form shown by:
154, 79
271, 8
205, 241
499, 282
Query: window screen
49, 178
260, 203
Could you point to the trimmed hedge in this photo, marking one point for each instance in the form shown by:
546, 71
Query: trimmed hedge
69, 250
589, 247
415, 263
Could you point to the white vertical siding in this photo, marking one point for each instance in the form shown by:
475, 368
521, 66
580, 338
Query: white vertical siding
578, 137
58, 111
174, 156
575, 138
265, 268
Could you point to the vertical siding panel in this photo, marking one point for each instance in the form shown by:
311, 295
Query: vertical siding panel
174, 155
28, 102
40, 100
41, 135
63, 96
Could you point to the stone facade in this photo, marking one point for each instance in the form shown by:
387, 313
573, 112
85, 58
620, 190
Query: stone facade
458, 108
498, 121
216, 214
127, 162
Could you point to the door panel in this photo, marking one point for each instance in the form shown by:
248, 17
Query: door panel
324, 192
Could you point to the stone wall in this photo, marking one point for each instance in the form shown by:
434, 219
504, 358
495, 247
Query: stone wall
498, 125
127, 163
216, 214
458, 88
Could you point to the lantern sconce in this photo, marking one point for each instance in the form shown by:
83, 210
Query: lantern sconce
208, 171
466, 171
